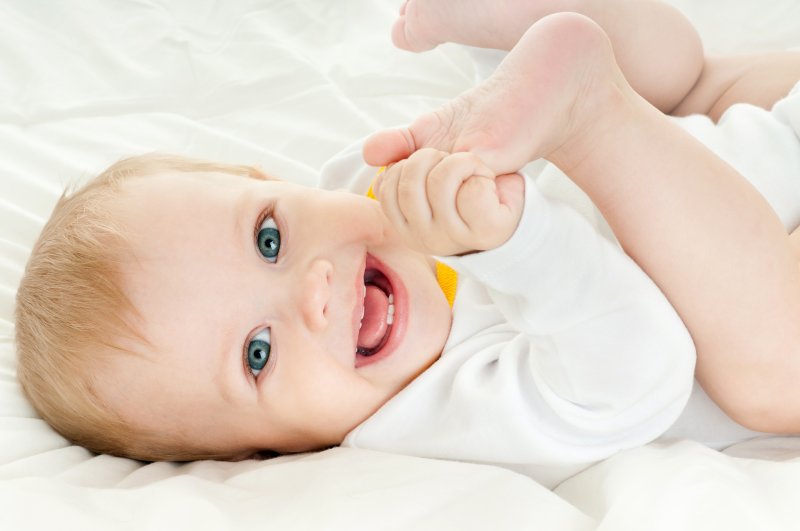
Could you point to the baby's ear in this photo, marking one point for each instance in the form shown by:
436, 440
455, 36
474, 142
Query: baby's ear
259, 455
255, 173
244, 455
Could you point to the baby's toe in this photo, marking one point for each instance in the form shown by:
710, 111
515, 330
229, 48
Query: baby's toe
408, 31
388, 146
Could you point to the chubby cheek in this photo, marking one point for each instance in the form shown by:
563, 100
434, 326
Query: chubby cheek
336, 405
316, 384
433, 323
425, 337
434, 315
430, 347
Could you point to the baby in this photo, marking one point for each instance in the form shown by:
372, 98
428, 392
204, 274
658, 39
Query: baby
180, 310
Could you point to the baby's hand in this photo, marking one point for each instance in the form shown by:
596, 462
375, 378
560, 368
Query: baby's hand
450, 204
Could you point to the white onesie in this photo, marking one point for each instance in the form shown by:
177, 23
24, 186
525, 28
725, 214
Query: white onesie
562, 351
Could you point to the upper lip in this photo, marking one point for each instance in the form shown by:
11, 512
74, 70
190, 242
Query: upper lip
358, 301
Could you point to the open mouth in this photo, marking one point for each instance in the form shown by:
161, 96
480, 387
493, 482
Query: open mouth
378, 318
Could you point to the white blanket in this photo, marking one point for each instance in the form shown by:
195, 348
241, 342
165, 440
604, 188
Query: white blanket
285, 85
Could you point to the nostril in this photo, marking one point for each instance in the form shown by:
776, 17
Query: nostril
316, 293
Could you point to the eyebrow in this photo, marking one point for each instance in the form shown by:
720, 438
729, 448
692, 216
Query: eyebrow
240, 212
228, 351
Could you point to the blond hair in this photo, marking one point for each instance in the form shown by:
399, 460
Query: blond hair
72, 312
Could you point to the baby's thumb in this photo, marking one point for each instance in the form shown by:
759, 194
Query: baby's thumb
511, 192
491, 208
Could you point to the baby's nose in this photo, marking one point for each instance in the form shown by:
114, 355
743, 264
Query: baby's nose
316, 294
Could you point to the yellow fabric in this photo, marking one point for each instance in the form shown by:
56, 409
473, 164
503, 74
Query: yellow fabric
445, 275
448, 281
370, 192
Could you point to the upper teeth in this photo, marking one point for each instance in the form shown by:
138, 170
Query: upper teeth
363, 296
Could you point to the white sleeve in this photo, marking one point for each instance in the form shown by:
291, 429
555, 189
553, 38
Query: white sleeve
605, 346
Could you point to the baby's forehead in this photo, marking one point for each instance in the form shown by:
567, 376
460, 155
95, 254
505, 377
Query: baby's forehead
160, 213
183, 180
173, 192
180, 235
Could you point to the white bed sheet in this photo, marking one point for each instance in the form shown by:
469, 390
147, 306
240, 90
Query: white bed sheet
285, 85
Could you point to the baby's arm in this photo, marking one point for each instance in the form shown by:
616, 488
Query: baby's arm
594, 337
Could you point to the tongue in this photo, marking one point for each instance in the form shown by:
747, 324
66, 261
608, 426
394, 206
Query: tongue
373, 325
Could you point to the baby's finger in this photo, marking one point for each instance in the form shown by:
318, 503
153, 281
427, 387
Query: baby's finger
386, 194
491, 208
411, 188
443, 185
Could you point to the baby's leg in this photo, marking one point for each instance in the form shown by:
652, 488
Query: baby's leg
713, 245
656, 47
716, 249
759, 79
794, 239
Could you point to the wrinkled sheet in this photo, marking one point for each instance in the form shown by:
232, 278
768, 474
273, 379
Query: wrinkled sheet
285, 85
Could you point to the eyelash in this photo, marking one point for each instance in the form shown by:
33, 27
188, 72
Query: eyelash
245, 354
268, 212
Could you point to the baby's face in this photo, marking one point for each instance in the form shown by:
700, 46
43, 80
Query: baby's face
252, 293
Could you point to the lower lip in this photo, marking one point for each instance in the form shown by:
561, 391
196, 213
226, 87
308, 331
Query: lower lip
398, 327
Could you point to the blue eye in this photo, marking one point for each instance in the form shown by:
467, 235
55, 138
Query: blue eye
268, 239
258, 352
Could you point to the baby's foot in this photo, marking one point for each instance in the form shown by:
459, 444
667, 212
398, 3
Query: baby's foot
553, 87
424, 24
